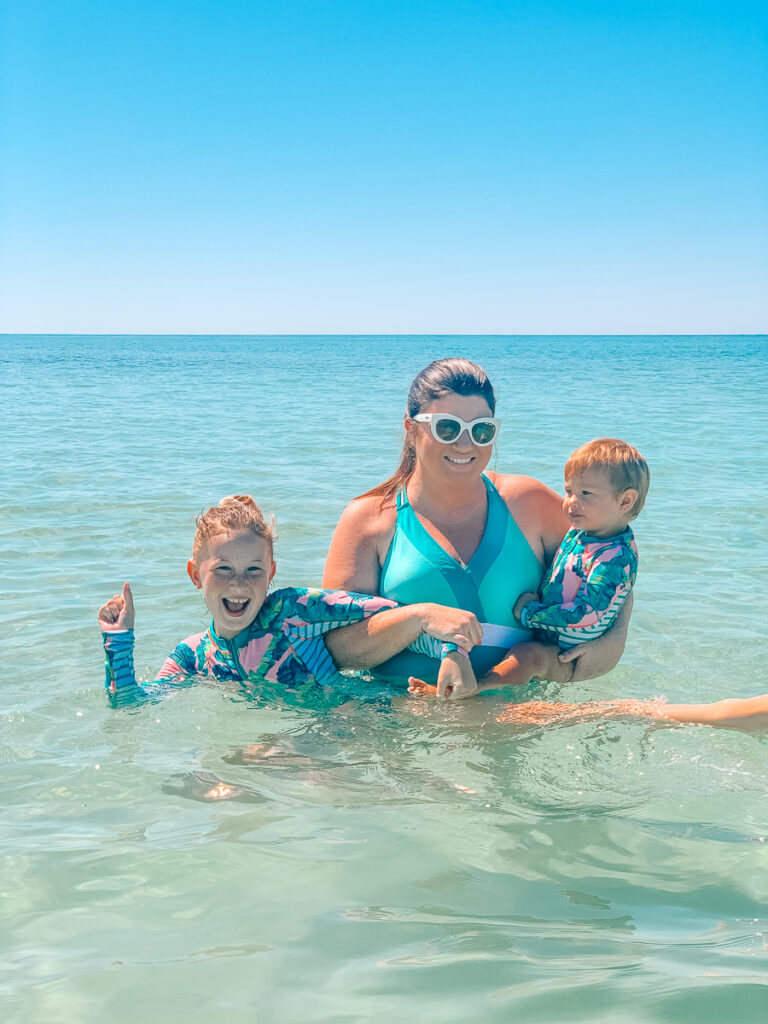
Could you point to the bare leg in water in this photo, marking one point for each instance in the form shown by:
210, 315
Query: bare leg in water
749, 714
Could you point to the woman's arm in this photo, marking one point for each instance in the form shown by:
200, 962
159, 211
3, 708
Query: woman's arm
358, 544
354, 563
382, 636
601, 655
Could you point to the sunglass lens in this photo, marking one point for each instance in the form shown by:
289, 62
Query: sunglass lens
483, 433
447, 430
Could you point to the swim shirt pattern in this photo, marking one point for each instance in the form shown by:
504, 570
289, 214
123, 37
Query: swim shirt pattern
588, 582
284, 644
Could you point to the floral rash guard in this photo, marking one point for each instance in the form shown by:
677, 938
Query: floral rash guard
284, 644
590, 579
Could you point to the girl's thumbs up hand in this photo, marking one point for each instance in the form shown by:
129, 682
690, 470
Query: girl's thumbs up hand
118, 613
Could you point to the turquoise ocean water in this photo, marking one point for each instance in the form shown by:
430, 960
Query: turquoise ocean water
403, 859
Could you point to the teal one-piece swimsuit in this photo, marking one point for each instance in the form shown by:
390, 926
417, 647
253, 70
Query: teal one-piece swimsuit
418, 569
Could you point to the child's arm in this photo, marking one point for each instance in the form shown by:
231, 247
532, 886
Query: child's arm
116, 620
456, 678
592, 610
529, 598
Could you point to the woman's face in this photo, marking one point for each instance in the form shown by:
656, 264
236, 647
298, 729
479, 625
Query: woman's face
460, 460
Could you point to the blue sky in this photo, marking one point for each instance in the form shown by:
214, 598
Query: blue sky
414, 166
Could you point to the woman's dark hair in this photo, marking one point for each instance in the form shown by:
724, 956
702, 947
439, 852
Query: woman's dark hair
443, 377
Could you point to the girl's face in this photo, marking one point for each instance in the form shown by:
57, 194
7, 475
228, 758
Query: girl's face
233, 570
462, 459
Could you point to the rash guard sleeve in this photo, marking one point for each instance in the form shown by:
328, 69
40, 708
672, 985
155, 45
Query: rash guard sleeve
306, 615
118, 663
600, 595
120, 677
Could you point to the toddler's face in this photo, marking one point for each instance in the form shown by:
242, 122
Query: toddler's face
592, 504
233, 570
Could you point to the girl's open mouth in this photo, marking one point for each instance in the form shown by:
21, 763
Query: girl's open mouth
235, 606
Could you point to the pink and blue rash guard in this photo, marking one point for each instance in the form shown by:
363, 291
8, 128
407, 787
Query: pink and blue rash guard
284, 644
588, 582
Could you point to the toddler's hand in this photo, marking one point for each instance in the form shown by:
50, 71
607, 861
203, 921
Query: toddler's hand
118, 613
522, 601
456, 678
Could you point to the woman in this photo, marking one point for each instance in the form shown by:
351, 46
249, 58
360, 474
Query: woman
441, 530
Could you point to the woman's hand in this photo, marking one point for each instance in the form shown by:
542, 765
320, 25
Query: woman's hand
118, 613
451, 625
601, 655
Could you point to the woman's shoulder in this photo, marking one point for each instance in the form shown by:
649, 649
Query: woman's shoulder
524, 490
368, 517
359, 544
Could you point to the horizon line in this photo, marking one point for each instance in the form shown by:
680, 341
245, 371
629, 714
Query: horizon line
379, 334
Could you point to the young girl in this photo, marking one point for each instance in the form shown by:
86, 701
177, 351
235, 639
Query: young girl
593, 571
281, 637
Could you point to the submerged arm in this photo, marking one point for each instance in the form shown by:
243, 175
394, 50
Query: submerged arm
120, 678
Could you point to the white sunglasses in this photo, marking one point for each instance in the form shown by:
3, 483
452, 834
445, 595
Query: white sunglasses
447, 428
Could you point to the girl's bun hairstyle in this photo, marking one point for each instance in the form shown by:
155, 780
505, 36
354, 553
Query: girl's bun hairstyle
234, 513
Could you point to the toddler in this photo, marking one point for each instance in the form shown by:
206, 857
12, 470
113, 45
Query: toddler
593, 571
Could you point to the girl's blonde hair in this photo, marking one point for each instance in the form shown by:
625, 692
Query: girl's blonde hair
236, 512
624, 466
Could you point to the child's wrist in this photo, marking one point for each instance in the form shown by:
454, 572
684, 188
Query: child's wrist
117, 637
451, 648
